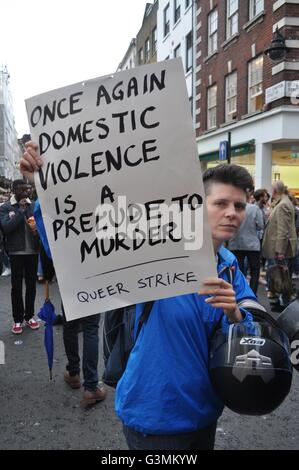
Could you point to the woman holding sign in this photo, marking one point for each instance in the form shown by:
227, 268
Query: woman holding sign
165, 398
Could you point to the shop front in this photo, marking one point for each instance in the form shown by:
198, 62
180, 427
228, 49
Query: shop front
266, 144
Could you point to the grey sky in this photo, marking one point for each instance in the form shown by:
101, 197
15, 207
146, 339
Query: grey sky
47, 44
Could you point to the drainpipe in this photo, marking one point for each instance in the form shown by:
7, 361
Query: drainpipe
194, 4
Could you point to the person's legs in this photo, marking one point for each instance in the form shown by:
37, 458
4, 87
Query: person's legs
203, 439
297, 259
240, 255
270, 262
255, 267
17, 269
90, 326
30, 268
71, 345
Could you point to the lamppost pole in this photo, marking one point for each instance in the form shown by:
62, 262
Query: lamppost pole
229, 147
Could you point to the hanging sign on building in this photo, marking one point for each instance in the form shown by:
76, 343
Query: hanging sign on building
283, 89
121, 190
276, 92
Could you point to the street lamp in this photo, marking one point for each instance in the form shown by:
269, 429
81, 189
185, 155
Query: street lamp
278, 49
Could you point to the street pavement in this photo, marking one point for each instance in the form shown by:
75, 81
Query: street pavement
37, 413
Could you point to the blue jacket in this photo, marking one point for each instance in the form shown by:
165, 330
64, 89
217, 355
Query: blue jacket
166, 388
41, 228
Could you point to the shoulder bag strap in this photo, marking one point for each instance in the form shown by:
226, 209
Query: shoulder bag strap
144, 316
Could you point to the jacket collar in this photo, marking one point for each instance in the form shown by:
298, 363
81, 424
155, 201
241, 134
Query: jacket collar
13, 200
222, 260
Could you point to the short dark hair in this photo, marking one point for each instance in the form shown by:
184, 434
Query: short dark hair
234, 175
17, 183
259, 193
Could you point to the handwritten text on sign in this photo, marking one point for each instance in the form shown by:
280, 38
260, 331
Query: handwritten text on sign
120, 189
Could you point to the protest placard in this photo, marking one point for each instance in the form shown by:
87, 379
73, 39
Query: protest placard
120, 189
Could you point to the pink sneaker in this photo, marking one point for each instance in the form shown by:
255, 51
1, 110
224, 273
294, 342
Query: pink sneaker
17, 328
34, 325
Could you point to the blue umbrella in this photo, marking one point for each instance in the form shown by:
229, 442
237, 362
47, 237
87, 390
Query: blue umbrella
48, 315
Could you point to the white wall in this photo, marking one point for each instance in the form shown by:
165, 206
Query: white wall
177, 35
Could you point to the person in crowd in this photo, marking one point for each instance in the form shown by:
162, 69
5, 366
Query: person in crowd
94, 391
295, 264
5, 259
262, 198
296, 269
22, 244
280, 237
1, 251
246, 244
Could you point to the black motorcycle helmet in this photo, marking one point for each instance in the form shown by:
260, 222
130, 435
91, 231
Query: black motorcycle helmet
250, 368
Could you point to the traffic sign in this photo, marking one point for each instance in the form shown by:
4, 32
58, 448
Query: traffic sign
223, 150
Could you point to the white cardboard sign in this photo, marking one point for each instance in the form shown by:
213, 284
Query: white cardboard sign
121, 190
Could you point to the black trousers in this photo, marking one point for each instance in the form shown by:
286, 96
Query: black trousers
203, 439
23, 266
254, 262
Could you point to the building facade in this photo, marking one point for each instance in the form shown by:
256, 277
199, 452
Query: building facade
241, 93
175, 37
146, 39
129, 60
10, 152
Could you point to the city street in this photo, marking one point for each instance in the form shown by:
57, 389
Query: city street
37, 413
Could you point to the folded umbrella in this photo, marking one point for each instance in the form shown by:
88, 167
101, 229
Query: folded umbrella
48, 315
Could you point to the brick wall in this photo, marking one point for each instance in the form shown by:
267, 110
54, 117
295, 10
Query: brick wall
250, 42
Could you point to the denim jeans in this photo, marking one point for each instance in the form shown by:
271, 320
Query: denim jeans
203, 439
90, 328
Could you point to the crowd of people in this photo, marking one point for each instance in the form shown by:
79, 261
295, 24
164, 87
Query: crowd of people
269, 235
165, 407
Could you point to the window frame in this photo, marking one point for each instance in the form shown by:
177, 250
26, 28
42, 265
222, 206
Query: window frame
176, 11
229, 113
166, 20
154, 40
189, 51
255, 83
253, 13
147, 50
141, 56
178, 47
230, 16
212, 34
212, 107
